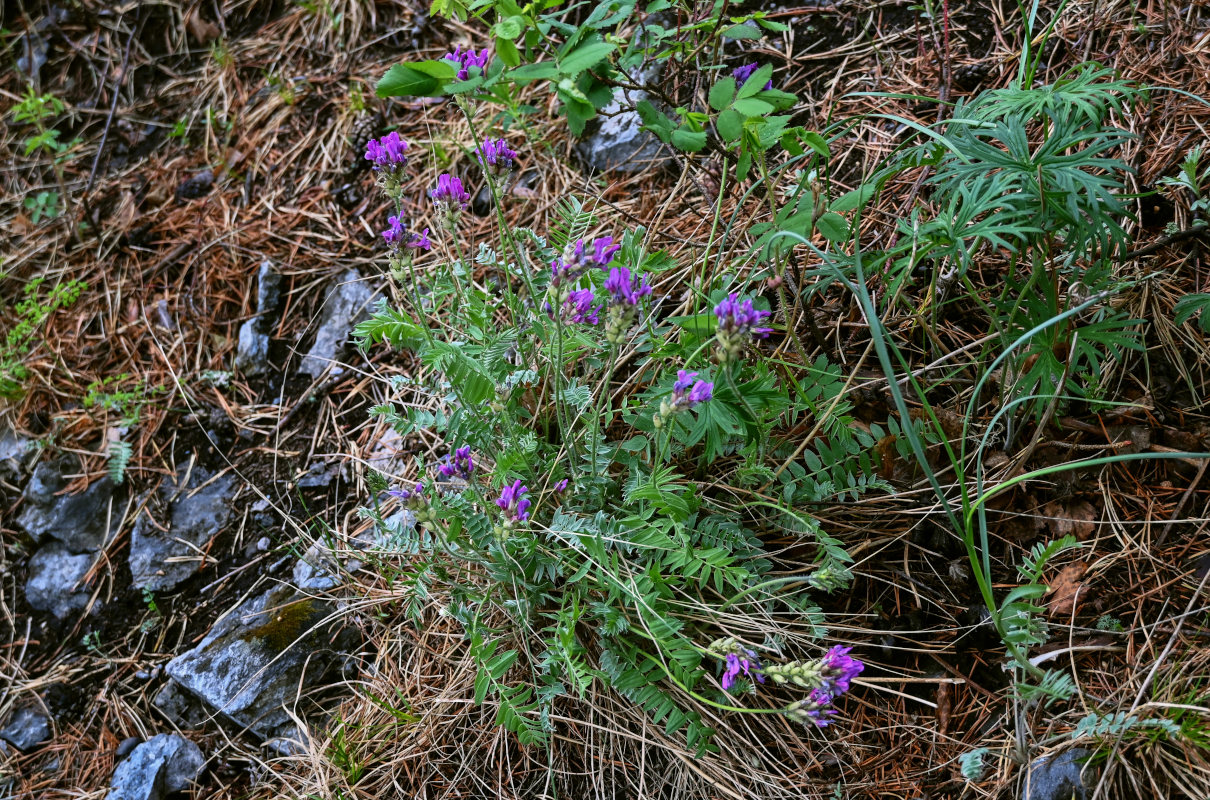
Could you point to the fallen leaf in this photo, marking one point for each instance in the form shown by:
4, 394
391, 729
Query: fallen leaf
203, 31
1065, 589
1077, 518
945, 706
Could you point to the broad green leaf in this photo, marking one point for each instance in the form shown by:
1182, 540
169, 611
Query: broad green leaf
509, 28
833, 226
423, 79
689, 140
541, 71
751, 107
854, 199
584, 56
722, 93
508, 52
742, 32
730, 125
817, 143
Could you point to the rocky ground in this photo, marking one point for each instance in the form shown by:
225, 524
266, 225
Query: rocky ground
207, 618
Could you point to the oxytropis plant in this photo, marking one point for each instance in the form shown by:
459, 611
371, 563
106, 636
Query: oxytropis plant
570, 527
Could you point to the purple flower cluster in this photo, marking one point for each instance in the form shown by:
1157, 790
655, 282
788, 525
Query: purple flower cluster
397, 236
839, 669
816, 708
420, 241
460, 466
687, 392
515, 507
827, 678
737, 323
496, 156
387, 154
741, 661
742, 74
449, 192
625, 291
561, 486
408, 496
578, 307
467, 60
574, 261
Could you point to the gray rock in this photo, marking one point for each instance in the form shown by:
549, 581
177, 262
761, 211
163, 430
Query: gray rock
252, 354
158, 767
620, 144
268, 289
346, 303
319, 475
127, 746
76, 520
1058, 777
27, 729
180, 707
397, 533
316, 571
55, 574
14, 455
256, 660
159, 559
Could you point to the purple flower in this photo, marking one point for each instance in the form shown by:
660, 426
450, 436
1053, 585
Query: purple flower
839, 669
407, 494
687, 392
604, 248
496, 155
698, 391
575, 262
622, 287
394, 234
449, 192
515, 508
816, 708
737, 322
742, 662
420, 241
467, 60
742, 74
624, 293
578, 307
388, 153
561, 486
461, 465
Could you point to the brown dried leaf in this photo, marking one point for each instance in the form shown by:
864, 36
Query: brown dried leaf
945, 706
1066, 589
203, 31
1077, 518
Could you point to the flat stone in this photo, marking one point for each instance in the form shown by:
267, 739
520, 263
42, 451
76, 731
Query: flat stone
55, 574
76, 520
620, 144
27, 729
252, 353
161, 560
346, 303
180, 707
1058, 777
268, 289
160, 766
14, 455
256, 660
